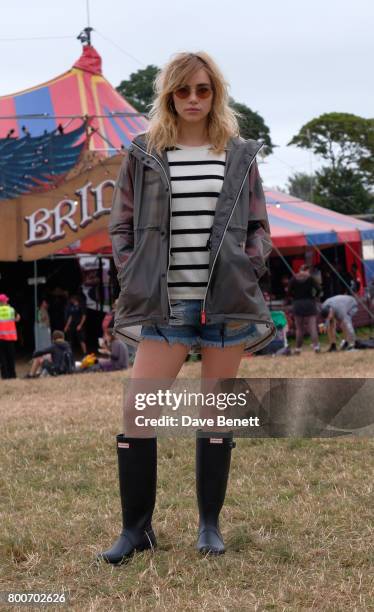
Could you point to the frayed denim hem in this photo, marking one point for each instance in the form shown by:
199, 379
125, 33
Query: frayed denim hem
203, 343
218, 343
184, 341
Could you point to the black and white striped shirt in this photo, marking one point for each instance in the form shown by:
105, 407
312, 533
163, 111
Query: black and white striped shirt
196, 178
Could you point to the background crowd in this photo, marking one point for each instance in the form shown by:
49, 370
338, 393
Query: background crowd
55, 350
311, 307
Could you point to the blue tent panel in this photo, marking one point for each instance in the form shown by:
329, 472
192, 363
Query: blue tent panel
36, 101
322, 238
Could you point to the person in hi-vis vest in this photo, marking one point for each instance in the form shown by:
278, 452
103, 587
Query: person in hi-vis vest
8, 337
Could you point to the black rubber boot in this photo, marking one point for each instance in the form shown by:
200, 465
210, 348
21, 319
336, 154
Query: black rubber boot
137, 464
213, 456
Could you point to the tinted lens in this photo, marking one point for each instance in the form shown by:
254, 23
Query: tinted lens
182, 92
203, 91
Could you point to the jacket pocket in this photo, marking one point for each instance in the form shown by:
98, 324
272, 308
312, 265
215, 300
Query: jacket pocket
258, 247
140, 277
123, 267
140, 235
235, 273
239, 236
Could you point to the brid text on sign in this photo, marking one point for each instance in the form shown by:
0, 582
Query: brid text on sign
48, 225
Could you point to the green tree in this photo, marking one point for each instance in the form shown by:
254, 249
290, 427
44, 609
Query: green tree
341, 189
346, 142
342, 139
252, 125
138, 89
302, 185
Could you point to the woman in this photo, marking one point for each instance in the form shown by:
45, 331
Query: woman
190, 237
43, 325
305, 290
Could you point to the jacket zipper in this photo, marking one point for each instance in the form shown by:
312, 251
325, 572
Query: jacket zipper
203, 311
169, 184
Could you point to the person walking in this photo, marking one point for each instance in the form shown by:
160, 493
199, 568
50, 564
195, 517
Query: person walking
8, 338
340, 309
75, 323
304, 290
190, 237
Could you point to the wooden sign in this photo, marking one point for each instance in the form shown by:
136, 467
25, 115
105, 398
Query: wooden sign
35, 226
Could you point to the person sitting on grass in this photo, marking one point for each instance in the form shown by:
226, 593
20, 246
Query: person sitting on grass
340, 309
117, 355
55, 359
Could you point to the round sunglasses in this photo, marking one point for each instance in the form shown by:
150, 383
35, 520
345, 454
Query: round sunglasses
202, 91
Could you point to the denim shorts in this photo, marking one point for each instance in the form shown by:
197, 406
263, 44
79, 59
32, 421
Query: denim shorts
184, 326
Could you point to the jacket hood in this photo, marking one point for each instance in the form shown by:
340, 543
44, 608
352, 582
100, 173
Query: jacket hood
62, 345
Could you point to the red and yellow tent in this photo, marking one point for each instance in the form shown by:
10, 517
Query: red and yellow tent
65, 100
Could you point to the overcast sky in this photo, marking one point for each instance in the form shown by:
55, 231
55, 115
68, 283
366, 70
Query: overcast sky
289, 60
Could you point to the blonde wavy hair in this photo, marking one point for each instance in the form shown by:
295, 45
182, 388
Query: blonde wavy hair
163, 126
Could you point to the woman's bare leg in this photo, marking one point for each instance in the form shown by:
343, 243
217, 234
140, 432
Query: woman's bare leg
313, 331
156, 366
299, 325
36, 363
221, 362
217, 364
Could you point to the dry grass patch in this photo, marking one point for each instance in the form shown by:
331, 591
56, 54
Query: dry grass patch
297, 520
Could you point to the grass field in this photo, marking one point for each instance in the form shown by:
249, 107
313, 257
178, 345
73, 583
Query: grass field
298, 519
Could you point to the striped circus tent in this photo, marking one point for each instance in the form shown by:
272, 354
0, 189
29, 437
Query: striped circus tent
298, 223
66, 100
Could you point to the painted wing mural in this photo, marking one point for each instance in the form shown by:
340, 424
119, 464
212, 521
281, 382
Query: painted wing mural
35, 163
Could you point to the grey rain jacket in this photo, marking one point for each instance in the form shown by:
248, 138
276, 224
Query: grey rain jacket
239, 244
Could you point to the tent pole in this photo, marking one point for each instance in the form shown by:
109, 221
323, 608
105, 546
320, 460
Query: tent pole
101, 285
110, 288
284, 260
